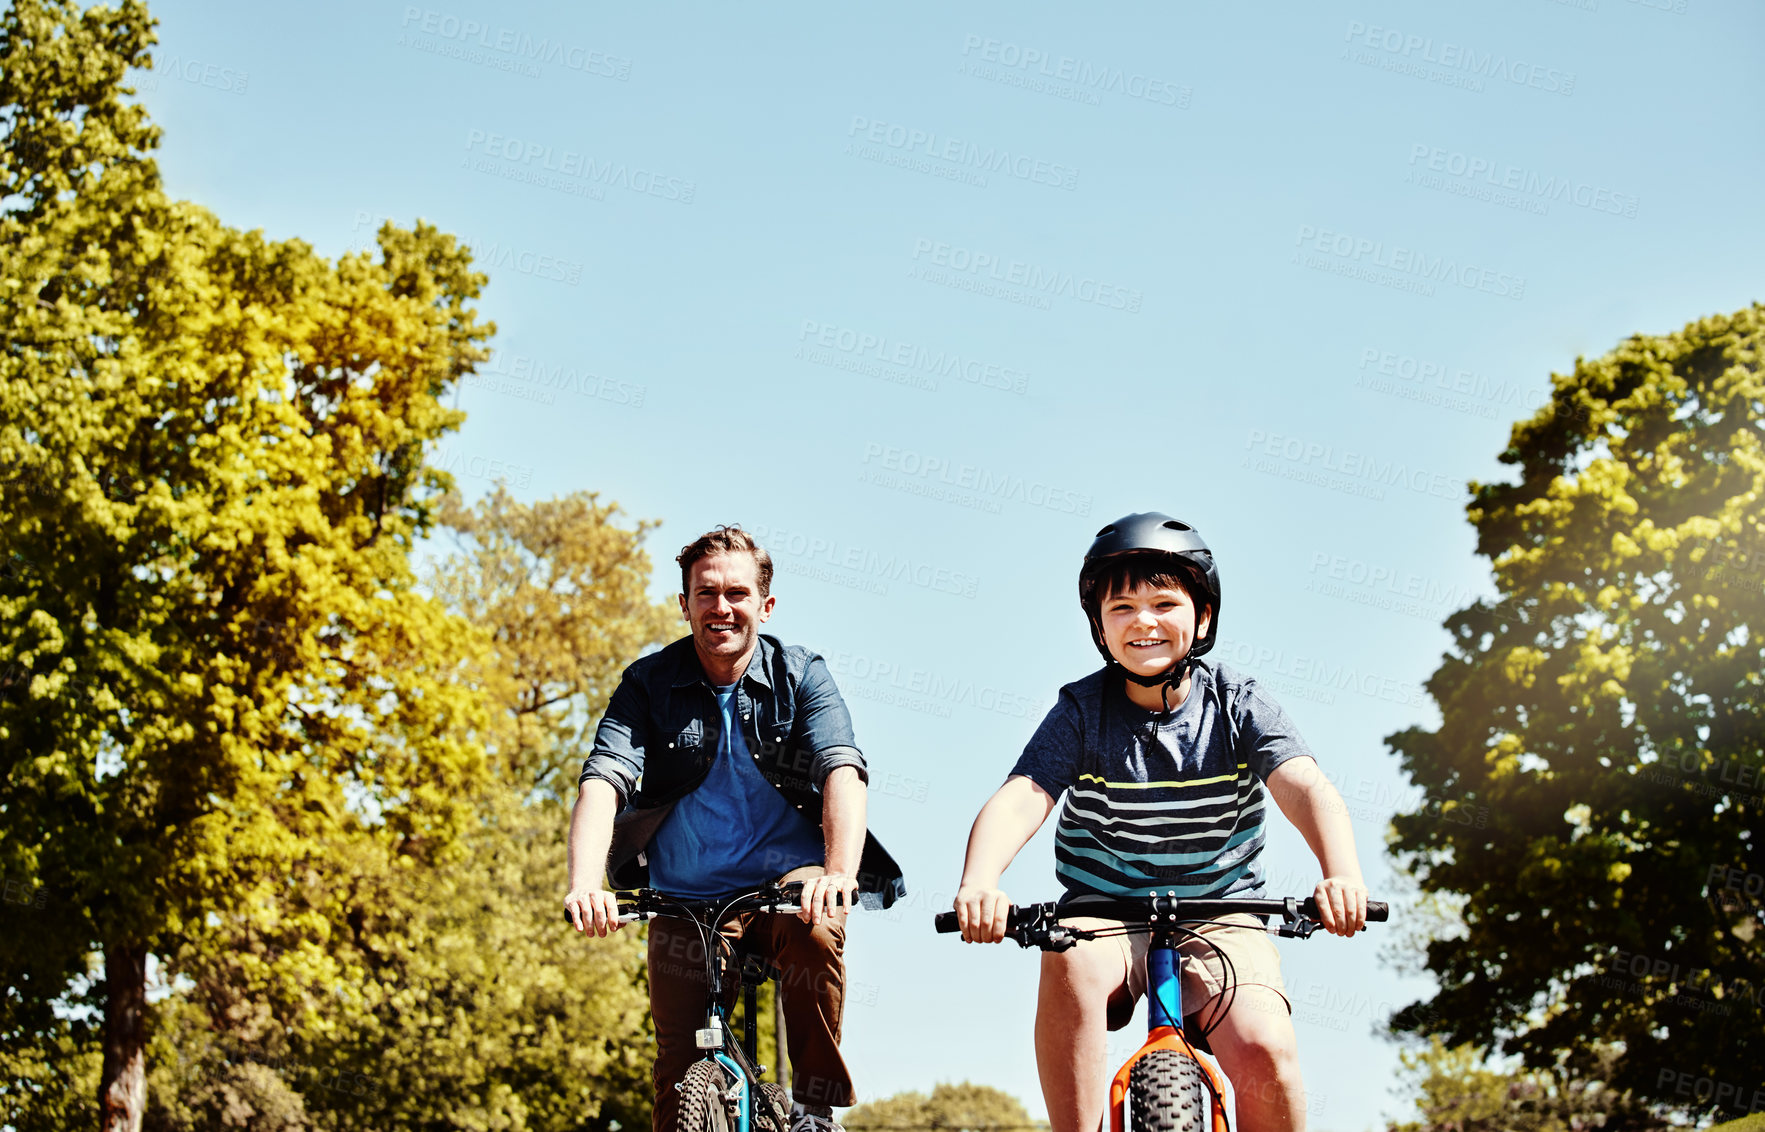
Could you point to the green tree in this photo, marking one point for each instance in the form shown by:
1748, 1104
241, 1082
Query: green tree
958, 1108
471, 1004
214, 662
1458, 1091
1592, 797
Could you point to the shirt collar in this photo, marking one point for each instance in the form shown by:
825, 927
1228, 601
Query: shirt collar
688, 671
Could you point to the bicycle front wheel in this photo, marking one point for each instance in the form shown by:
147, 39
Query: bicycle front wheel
772, 1107
1166, 1094
702, 1107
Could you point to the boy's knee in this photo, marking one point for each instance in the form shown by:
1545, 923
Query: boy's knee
1265, 1053
1090, 973
1271, 1052
1259, 1030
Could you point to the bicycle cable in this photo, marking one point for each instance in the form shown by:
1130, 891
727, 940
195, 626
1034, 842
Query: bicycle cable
1230, 981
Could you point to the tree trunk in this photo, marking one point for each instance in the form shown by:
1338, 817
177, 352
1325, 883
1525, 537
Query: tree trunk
122, 1090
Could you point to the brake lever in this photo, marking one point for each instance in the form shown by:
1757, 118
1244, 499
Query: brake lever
1049, 934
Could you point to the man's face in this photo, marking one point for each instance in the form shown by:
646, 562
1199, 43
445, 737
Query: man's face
1149, 627
723, 605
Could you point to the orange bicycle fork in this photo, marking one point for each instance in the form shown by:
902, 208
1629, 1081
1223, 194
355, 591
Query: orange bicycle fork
1164, 1023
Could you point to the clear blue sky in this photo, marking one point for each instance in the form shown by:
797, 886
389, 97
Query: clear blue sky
927, 293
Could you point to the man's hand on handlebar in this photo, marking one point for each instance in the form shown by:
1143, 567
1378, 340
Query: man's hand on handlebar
1342, 905
827, 896
983, 913
595, 910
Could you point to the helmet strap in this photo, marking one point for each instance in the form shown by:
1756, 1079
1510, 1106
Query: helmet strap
1166, 682
1169, 679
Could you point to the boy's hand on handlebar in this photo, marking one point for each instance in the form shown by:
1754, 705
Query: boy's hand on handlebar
594, 911
827, 896
1342, 905
982, 912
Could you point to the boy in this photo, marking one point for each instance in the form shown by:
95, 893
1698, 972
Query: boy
1165, 759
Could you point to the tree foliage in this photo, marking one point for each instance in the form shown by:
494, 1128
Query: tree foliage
562, 590
958, 1108
1458, 1091
1603, 719
467, 1003
215, 665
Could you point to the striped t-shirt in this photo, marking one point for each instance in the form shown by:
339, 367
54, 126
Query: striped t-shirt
1156, 803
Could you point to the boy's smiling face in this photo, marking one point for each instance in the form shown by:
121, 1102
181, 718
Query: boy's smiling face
1150, 627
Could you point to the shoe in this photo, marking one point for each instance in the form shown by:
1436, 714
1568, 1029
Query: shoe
802, 1120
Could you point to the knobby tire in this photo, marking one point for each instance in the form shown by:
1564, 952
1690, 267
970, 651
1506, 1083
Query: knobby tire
772, 1108
1166, 1093
701, 1099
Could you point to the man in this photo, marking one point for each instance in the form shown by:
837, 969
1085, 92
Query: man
749, 773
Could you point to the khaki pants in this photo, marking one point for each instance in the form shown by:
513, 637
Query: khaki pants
811, 988
1255, 961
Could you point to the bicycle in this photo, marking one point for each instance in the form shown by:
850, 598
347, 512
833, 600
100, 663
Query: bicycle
719, 1092
1163, 1086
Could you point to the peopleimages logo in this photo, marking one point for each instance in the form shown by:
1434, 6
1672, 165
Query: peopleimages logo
516, 46
914, 363
1315, 672
1034, 280
474, 465
1456, 57
925, 689
1528, 185
568, 168
487, 255
554, 378
956, 151
1359, 257
917, 473
870, 564
1086, 79
1270, 452
197, 73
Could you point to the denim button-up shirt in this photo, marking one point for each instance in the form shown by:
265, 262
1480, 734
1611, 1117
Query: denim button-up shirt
661, 731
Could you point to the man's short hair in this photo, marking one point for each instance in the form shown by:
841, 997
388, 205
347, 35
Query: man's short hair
729, 539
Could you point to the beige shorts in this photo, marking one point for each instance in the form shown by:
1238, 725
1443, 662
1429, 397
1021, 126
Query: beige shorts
1255, 961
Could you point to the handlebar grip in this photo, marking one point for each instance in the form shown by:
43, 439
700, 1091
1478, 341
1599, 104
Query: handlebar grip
624, 917
1377, 910
946, 922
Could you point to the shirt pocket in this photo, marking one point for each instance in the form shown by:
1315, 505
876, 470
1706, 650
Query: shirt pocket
772, 722
688, 735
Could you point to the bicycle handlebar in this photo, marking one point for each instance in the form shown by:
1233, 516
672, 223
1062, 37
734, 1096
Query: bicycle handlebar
647, 903
1153, 910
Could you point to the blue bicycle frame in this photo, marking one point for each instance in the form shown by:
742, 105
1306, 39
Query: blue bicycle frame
1164, 1030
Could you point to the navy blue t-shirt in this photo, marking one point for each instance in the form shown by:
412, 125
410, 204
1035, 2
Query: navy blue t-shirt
1161, 804
735, 831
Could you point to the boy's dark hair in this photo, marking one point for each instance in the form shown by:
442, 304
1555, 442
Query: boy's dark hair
729, 539
1127, 572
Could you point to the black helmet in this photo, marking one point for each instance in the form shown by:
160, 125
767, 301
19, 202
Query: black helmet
1153, 533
